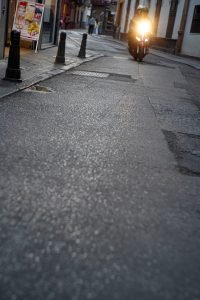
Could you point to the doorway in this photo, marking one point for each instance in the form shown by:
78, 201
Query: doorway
49, 20
157, 15
171, 19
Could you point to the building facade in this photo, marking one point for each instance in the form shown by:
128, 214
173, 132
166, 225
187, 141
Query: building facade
176, 23
76, 14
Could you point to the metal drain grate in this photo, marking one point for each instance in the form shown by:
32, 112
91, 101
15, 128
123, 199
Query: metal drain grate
39, 89
90, 74
111, 76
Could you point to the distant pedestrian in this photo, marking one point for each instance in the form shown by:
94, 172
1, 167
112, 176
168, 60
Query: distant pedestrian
62, 26
96, 26
91, 25
100, 27
67, 21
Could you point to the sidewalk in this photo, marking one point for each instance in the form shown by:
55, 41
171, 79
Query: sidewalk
36, 67
192, 62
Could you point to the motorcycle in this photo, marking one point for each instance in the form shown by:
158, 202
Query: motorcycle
140, 46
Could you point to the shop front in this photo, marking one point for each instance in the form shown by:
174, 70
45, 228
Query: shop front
48, 32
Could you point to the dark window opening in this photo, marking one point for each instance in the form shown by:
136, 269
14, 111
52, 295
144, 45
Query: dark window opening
157, 14
171, 19
195, 27
136, 4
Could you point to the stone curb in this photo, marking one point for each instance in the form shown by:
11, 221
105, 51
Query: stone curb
177, 59
48, 74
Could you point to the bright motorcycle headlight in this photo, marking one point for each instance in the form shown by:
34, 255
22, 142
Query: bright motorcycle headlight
144, 27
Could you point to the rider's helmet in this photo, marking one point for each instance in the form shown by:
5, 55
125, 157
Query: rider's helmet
142, 10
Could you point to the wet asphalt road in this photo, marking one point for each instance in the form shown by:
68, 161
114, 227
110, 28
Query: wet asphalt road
100, 183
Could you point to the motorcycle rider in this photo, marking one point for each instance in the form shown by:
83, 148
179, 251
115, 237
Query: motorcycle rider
140, 15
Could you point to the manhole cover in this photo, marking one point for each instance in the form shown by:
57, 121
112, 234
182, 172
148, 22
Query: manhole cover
39, 88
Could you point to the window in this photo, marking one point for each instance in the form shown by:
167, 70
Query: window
136, 4
173, 7
157, 14
195, 27
171, 19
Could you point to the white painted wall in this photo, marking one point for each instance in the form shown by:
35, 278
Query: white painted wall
123, 18
178, 19
132, 11
164, 15
191, 41
152, 9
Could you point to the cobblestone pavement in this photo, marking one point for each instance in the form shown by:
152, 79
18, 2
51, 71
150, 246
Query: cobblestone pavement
100, 181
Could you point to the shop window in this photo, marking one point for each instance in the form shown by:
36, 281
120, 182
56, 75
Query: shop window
49, 21
195, 27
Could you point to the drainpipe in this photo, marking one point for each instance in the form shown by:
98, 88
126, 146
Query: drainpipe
127, 15
179, 41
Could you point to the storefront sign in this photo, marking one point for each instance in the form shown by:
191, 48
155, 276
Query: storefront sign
28, 19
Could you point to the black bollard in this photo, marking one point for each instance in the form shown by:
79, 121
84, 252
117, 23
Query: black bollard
83, 46
13, 72
60, 57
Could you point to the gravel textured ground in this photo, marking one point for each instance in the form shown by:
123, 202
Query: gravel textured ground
93, 201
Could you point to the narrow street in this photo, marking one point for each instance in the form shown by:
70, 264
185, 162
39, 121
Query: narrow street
100, 181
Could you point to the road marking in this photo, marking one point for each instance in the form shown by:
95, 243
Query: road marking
120, 57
